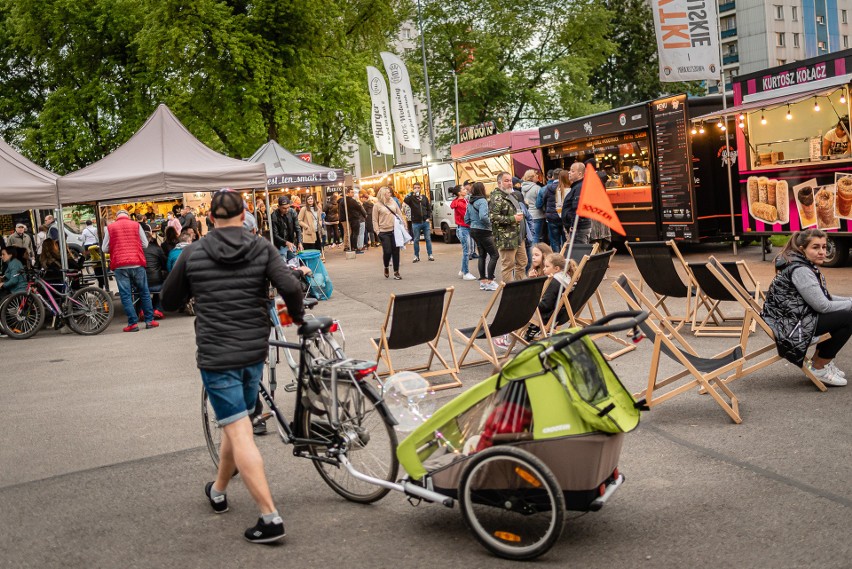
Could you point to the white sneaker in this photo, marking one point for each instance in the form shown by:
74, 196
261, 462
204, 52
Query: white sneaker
492, 286
827, 376
469, 277
461, 275
836, 370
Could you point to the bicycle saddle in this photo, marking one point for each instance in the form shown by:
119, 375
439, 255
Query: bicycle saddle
314, 325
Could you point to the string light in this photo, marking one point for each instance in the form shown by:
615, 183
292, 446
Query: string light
762, 117
741, 124
742, 117
843, 97
694, 130
701, 129
789, 114
719, 124
816, 105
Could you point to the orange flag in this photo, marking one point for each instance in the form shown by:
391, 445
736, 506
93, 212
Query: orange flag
595, 204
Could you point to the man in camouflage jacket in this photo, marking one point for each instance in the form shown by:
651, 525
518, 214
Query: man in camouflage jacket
508, 227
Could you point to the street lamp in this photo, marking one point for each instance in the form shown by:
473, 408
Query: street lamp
426, 79
456, 86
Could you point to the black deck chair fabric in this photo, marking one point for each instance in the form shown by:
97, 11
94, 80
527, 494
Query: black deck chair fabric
654, 261
705, 365
518, 303
580, 250
590, 280
710, 285
416, 318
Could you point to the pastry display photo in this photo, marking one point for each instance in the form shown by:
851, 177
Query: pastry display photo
805, 202
844, 197
768, 199
824, 198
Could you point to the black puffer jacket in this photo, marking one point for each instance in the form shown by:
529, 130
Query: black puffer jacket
228, 273
792, 320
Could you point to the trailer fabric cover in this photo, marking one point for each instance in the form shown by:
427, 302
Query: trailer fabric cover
163, 157
23, 184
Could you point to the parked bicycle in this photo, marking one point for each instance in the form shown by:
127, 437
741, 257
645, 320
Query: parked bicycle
338, 418
87, 311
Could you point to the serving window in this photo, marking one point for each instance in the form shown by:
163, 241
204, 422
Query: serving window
797, 133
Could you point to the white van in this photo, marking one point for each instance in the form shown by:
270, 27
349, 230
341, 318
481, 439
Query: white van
442, 177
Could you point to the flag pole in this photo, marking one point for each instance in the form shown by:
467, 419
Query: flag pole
564, 272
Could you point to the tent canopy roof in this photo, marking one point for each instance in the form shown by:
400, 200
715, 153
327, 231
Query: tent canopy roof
163, 157
286, 170
23, 184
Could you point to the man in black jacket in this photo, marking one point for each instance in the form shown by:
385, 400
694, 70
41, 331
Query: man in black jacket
155, 269
421, 214
354, 213
228, 273
285, 229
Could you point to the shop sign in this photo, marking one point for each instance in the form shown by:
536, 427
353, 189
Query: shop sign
306, 156
596, 125
480, 130
302, 179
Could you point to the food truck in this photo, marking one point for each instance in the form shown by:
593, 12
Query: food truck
792, 131
482, 159
663, 182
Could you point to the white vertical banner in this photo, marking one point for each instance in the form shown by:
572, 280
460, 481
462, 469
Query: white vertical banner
402, 102
381, 121
687, 39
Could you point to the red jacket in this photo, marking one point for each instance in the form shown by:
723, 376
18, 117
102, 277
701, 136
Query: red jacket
125, 247
459, 206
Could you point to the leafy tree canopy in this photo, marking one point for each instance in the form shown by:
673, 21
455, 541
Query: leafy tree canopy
78, 78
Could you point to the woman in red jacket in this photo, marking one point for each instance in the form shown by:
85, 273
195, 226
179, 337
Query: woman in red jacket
459, 206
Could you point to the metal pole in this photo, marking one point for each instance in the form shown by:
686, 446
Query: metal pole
727, 138
458, 124
426, 81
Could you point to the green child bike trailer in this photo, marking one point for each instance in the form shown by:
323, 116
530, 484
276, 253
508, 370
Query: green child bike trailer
541, 436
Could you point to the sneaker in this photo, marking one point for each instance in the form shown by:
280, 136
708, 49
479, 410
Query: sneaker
461, 274
152, 324
836, 370
490, 287
501, 342
219, 503
827, 376
482, 285
359, 252
468, 277
431, 258
266, 533
415, 260
158, 315
131, 328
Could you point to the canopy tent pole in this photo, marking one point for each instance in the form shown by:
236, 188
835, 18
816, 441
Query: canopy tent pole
727, 137
269, 216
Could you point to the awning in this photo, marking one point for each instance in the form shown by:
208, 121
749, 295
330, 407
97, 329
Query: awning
770, 103
486, 154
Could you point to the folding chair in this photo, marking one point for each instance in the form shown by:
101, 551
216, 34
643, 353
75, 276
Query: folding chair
710, 294
517, 307
655, 261
705, 373
580, 250
752, 314
415, 319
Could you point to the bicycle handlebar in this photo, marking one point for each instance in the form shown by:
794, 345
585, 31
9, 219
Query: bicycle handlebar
633, 319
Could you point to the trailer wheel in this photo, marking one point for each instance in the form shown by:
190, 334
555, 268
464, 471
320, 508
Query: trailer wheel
837, 252
447, 233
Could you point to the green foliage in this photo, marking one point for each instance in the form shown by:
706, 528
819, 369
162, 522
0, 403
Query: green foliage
520, 63
631, 73
77, 79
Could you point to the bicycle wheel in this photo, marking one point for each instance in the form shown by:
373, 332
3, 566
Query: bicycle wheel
22, 315
212, 430
93, 313
512, 502
371, 442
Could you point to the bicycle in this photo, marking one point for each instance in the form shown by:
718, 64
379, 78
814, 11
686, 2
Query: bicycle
340, 421
87, 311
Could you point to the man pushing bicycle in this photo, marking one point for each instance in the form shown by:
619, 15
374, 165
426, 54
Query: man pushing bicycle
228, 274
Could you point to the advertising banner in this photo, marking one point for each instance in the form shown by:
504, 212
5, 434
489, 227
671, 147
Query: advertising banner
687, 40
402, 102
380, 116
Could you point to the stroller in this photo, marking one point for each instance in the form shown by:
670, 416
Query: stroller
541, 436
319, 283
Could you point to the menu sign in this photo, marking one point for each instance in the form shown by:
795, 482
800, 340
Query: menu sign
674, 167
612, 122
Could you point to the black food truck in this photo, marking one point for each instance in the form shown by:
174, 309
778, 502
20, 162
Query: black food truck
664, 183
795, 167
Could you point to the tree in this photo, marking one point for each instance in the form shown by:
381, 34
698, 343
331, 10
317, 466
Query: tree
631, 73
522, 63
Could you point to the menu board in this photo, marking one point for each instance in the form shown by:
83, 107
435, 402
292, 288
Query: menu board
674, 167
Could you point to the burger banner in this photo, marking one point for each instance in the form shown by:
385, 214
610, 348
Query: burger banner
380, 119
402, 102
687, 40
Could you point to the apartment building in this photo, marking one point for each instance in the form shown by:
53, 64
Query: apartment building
759, 34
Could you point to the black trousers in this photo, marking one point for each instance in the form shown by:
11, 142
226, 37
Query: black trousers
389, 249
485, 241
839, 325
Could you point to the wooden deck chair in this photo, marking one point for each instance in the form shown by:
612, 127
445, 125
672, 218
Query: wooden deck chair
753, 309
414, 319
656, 263
516, 306
700, 372
710, 294
579, 252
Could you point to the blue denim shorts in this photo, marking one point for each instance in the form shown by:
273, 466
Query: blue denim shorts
232, 393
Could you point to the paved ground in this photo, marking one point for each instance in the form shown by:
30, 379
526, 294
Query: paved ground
103, 464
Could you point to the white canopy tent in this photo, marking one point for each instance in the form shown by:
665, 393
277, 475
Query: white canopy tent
286, 170
23, 184
161, 158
